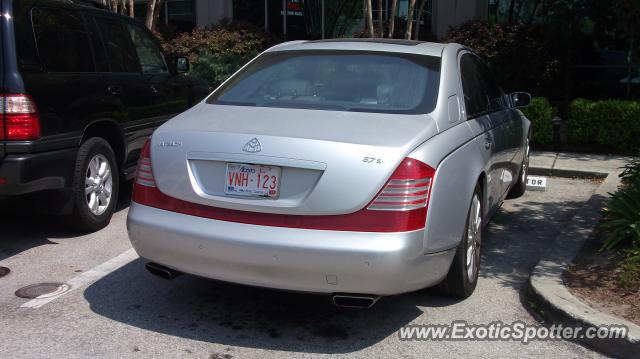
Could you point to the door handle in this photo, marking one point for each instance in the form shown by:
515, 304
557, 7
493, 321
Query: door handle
487, 145
153, 89
114, 90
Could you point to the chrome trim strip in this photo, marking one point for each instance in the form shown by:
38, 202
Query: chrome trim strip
400, 199
405, 190
383, 207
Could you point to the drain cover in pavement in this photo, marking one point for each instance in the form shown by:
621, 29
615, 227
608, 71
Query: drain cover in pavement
4, 271
41, 289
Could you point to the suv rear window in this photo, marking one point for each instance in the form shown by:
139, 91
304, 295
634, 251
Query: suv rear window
336, 80
62, 41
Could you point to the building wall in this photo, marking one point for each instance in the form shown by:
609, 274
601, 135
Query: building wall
212, 11
448, 13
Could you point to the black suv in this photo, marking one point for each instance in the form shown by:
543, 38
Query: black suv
82, 88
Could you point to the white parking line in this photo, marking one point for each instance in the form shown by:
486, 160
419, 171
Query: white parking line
87, 277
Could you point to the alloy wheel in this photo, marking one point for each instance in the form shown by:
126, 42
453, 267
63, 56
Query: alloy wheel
474, 238
98, 184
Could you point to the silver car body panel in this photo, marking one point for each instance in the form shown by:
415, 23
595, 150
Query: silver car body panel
321, 154
286, 258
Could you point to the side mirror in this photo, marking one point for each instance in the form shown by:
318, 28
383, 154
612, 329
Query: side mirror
182, 65
520, 99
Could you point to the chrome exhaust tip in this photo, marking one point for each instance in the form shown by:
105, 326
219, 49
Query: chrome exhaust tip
361, 301
162, 271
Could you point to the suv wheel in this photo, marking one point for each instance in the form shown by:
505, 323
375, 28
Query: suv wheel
95, 185
463, 275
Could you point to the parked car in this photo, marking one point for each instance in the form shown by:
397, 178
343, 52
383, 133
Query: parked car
82, 89
357, 168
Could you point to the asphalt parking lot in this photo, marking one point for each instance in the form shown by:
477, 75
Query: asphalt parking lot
129, 313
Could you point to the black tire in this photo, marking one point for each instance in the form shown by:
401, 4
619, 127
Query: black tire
520, 187
82, 217
457, 282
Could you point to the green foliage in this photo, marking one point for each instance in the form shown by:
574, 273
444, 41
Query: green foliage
213, 68
631, 172
216, 52
610, 123
622, 221
540, 113
517, 53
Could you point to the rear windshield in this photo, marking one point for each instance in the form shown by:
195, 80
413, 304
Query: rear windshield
336, 80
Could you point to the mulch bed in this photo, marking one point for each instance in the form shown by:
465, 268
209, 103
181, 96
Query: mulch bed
594, 277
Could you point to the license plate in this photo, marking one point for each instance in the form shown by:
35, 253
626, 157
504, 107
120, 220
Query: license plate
252, 180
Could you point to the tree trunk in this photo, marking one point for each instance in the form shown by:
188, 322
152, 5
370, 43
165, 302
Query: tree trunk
630, 65
412, 6
153, 13
534, 11
156, 12
132, 12
380, 20
148, 21
512, 5
392, 18
370, 19
420, 11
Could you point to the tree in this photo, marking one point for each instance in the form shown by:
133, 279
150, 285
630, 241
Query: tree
419, 19
380, 24
392, 17
628, 13
512, 6
125, 7
153, 13
131, 6
412, 6
370, 19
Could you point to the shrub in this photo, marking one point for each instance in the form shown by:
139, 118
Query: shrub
517, 52
622, 220
218, 51
614, 124
540, 113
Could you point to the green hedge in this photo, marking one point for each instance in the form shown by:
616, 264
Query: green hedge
540, 113
613, 124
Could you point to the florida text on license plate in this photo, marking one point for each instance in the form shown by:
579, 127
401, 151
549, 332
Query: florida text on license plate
252, 180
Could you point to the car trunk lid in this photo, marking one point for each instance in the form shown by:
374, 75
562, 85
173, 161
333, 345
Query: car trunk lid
331, 162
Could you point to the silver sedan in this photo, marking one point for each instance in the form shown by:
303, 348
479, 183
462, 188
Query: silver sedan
355, 168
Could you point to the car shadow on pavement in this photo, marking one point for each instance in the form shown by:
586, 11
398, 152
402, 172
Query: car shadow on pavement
235, 315
23, 227
517, 238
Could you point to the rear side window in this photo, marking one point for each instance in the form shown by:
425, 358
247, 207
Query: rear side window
481, 93
62, 40
120, 53
149, 53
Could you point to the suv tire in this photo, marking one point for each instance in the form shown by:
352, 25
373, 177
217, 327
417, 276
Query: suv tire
96, 184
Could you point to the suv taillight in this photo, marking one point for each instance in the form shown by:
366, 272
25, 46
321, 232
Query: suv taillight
20, 119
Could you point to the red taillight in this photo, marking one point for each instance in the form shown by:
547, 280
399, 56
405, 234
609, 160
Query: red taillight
144, 175
20, 120
409, 187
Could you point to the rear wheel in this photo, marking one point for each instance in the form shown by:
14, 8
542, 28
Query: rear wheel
463, 275
520, 187
95, 185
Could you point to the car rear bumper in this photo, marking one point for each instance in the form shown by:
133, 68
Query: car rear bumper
286, 258
27, 173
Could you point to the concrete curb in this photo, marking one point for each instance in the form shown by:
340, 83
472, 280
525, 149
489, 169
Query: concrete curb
547, 292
